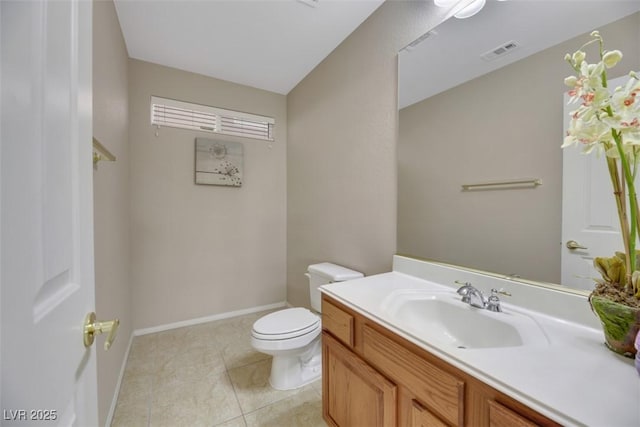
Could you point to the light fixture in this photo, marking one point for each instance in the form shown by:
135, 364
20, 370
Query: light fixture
467, 12
310, 3
445, 3
471, 10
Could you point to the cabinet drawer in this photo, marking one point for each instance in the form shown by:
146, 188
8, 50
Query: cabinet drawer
338, 322
441, 392
501, 416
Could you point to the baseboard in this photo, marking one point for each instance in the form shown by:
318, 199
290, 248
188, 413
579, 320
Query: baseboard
116, 393
205, 319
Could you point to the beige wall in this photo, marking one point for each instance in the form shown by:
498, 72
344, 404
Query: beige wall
507, 124
341, 159
199, 250
111, 195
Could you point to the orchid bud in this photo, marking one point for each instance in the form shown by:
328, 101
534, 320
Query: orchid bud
610, 59
571, 81
595, 34
578, 57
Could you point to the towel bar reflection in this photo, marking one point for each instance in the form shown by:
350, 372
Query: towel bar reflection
512, 183
100, 152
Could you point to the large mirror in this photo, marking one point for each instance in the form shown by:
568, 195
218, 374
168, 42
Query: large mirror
481, 101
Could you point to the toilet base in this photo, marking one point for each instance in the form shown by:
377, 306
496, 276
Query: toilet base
291, 372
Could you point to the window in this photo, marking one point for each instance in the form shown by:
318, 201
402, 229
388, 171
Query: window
186, 115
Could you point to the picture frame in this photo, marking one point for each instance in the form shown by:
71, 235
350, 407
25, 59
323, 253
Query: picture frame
219, 162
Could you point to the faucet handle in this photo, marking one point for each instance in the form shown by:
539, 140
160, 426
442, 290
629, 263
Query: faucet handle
493, 302
501, 291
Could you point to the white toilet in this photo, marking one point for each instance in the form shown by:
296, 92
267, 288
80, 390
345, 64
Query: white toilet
292, 335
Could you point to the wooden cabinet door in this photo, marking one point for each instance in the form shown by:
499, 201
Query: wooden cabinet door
501, 416
422, 417
353, 393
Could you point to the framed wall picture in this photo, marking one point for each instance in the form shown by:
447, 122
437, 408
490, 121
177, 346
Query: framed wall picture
219, 162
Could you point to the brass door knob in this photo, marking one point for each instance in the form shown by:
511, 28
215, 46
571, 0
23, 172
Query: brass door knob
93, 328
573, 245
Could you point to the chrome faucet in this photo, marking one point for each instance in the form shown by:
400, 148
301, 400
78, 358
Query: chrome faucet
474, 297
464, 291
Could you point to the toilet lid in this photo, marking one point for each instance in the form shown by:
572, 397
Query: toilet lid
283, 324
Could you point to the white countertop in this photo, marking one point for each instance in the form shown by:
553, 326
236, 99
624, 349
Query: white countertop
573, 378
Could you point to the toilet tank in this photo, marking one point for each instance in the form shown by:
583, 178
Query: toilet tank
326, 272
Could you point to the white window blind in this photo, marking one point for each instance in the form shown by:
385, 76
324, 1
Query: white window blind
186, 115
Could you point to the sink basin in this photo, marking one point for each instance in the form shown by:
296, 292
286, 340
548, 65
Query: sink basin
441, 317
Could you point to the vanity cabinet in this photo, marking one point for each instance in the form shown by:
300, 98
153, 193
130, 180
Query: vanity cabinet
373, 377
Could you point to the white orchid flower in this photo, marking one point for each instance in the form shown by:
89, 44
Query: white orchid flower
571, 81
611, 59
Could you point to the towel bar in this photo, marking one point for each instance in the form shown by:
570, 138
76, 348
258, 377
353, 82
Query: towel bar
522, 182
100, 152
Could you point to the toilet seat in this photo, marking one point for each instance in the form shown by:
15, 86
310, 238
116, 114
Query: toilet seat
286, 324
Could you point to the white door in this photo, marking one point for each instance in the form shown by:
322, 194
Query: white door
589, 216
47, 285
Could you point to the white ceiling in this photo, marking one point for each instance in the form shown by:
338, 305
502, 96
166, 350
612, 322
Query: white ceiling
266, 44
452, 56
274, 44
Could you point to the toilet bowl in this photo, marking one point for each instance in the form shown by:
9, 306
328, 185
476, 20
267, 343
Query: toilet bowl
292, 335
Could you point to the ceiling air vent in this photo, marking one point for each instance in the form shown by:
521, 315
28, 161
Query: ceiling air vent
411, 46
499, 51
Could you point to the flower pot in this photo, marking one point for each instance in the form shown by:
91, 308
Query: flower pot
620, 324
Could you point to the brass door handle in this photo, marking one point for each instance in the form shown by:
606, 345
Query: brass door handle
573, 245
93, 328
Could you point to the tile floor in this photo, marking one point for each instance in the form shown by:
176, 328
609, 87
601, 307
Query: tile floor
208, 375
